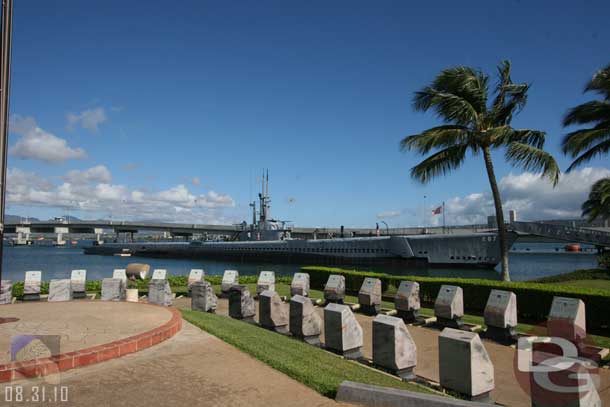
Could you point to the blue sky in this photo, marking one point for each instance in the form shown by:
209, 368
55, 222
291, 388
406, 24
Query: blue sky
318, 92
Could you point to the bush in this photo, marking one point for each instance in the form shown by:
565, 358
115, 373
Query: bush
604, 260
533, 299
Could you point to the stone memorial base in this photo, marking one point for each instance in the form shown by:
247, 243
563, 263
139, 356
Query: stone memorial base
505, 336
370, 310
31, 297
160, 293
449, 323
203, 297
77, 295
6, 292
60, 290
305, 323
393, 347
409, 317
241, 304
113, 289
342, 332
272, 314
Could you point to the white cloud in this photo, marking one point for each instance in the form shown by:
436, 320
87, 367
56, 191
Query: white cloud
388, 214
533, 198
91, 191
99, 173
88, 119
36, 143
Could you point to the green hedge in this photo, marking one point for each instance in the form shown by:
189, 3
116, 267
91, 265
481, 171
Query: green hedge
142, 285
533, 299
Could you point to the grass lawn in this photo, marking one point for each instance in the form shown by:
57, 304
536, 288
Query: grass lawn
597, 284
314, 367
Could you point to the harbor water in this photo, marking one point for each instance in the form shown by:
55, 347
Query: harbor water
527, 261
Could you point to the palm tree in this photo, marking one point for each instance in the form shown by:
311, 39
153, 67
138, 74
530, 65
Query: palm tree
598, 204
459, 96
585, 144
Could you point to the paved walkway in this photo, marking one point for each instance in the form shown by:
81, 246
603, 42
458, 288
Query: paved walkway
507, 390
192, 368
81, 324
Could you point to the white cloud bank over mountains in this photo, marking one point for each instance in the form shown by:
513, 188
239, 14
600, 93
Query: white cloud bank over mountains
39, 144
91, 190
533, 198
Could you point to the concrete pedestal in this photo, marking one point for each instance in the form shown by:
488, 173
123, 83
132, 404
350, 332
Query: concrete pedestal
407, 301
342, 333
305, 323
160, 293
393, 347
369, 296
241, 303
6, 292
78, 281
113, 289
266, 281
300, 284
464, 365
272, 312
60, 290
334, 291
203, 297
31, 286
567, 319
501, 316
449, 306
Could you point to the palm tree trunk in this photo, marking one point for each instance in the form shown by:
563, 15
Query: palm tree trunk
499, 214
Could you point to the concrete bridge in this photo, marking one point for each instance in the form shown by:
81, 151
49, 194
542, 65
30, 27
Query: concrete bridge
597, 237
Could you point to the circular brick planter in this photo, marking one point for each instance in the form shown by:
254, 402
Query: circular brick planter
88, 356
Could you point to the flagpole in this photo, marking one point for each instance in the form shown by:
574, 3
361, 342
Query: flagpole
444, 217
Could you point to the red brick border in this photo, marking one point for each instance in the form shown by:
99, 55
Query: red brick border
88, 356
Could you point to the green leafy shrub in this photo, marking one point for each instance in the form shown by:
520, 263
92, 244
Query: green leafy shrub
604, 260
533, 299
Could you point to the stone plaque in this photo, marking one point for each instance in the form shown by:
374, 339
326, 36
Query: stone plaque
266, 281
78, 279
334, 291
203, 297
160, 292
464, 364
369, 296
120, 274
195, 275
501, 309
32, 282
6, 292
241, 303
342, 333
407, 296
300, 284
159, 274
567, 319
113, 289
230, 278
449, 304
60, 290
272, 312
393, 347
305, 323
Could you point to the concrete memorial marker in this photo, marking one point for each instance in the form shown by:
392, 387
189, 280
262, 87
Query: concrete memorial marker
60, 290
241, 303
369, 296
230, 278
266, 281
407, 302
334, 291
501, 316
272, 312
342, 333
31, 286
203, 297
160, 292
393, 347
6, 292
113, 289
159, 274
300, 284
78, 279
464, 365
567, 319
449, 306
120, 274
305, 323
196, 275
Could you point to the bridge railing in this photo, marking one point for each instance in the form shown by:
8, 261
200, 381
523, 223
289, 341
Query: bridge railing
563, 232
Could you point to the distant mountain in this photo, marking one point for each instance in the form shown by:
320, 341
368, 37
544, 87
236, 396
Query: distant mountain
17, 218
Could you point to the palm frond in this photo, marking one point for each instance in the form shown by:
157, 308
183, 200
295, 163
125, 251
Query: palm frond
465, 82
436, 137
590, 112
600, 83
578, 141
531, 158
449, 107
505, 135
591, 153
598, 203
440, 163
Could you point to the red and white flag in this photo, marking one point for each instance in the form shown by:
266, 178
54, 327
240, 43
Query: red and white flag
438, 210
